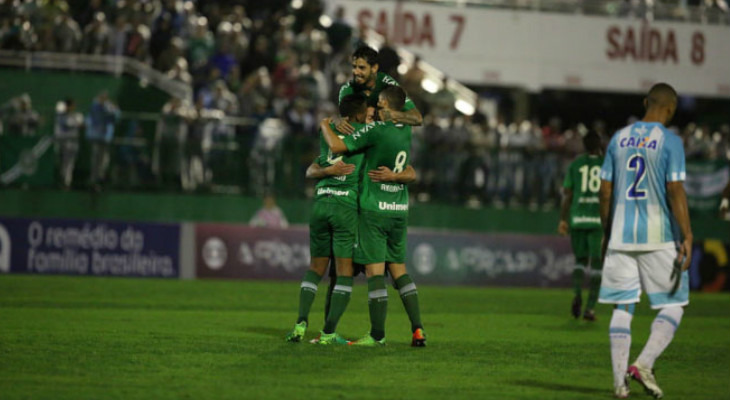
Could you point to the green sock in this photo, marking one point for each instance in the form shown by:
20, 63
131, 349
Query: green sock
307, 291
328, 298
594, 285
340, 298
409, 297
578, 274
378, 306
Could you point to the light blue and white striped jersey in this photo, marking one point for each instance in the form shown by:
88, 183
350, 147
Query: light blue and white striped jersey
640, 160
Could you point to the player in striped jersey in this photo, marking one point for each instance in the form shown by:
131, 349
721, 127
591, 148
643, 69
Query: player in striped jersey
579, 215
649, 239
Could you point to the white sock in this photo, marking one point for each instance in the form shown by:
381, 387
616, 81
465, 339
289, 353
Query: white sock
620, 334
662, 333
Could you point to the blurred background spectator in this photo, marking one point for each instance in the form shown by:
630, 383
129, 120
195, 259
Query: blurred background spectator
263, 74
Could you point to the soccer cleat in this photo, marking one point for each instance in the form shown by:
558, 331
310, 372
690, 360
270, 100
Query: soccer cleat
589, 315
646, 378
297, 333
368, 341
419, 338
332, 338
621, 392
575, 308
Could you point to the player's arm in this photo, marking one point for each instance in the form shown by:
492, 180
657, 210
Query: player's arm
678, 203
385, 174
565, 211
677, 197
411, 117
335, 144
604, 208
316, 171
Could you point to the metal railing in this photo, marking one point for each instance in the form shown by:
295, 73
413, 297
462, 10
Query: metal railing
114, 65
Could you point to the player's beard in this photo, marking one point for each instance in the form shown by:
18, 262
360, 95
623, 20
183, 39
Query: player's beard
358, 87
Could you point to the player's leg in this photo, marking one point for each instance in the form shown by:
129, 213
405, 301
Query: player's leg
594, 272
344, 233
579, 242
656, 275
319, 248
396, 256
620, 286
620, 336
409, 297
371, 251
332, 273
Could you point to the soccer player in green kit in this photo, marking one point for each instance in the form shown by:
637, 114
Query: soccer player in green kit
333, 225
368, 80
580, 216
383, 213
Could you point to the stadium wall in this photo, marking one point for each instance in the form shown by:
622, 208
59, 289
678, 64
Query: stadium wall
145, 235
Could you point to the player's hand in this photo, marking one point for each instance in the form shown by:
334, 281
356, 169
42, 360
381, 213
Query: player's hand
563, 228
684, 255
339, 168
382, 174
724, 208
344, 126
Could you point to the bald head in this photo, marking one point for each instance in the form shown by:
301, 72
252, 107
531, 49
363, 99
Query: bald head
661, 103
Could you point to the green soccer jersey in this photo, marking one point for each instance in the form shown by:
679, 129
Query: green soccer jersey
343, 188
584, 178
385, 144
382, 80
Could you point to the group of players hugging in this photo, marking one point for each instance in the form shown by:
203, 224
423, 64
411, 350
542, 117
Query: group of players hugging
626, 213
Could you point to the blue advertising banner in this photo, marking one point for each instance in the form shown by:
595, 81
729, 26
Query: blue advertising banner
99, 248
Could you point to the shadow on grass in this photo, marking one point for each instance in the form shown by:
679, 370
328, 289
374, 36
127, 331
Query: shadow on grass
262, 330
560, 387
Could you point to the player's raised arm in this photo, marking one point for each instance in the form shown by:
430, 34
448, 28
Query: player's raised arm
385, 174
333, 141
316, 171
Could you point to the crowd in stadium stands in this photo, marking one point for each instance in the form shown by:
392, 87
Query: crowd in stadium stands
279, 68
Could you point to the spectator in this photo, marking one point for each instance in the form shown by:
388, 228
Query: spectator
103, 114
96, 36
170, 143
270, 215
21, 118
66, 132
340, 32
67, 34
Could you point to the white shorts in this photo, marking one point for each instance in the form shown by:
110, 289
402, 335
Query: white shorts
626, 273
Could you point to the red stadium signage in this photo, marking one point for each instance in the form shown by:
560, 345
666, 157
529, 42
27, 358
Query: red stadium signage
537, 50
410, 27
650, 44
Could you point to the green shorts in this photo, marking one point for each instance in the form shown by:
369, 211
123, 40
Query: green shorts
381, 238
332, 229
586, 243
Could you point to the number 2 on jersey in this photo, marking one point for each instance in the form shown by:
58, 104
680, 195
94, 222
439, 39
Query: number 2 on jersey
400, 162
638, 164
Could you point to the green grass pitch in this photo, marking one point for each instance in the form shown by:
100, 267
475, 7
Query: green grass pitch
94, 338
